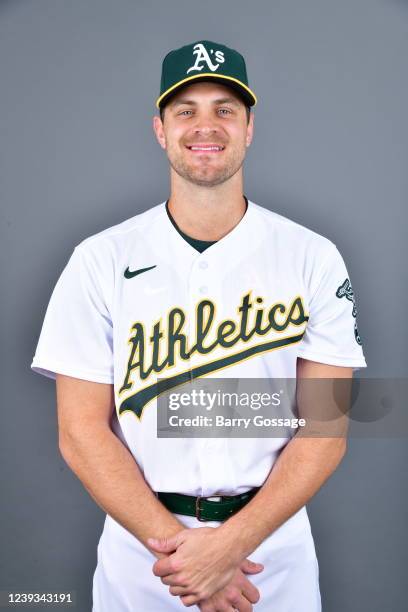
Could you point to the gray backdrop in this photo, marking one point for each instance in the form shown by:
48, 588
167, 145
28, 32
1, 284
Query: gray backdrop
78, 84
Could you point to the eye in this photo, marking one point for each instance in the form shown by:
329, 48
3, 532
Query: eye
226, 111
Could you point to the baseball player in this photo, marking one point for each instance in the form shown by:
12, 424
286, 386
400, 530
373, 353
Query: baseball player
205, 284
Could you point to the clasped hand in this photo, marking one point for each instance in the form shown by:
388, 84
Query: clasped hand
202, 568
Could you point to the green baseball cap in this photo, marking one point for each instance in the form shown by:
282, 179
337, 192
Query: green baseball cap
204, 60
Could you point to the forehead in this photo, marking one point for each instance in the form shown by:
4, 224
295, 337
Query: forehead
205, 91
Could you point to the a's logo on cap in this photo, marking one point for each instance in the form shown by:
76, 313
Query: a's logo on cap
202, 56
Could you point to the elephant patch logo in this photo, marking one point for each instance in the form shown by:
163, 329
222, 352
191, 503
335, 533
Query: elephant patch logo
346, 290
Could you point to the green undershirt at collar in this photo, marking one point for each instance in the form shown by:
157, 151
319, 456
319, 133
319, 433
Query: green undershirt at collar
199, 245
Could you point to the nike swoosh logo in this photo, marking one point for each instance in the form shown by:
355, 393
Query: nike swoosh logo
129, 274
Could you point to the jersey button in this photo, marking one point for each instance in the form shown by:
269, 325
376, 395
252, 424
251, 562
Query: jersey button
203, 265
203, 289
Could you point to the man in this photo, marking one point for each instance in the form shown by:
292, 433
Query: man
207, 283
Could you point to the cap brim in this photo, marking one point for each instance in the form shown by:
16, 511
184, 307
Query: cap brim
240, 88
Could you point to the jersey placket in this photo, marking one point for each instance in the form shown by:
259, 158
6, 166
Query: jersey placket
205, 282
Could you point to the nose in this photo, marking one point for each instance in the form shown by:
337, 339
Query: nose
205, 123
205, 127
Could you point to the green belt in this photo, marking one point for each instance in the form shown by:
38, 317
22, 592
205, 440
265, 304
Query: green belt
205, 508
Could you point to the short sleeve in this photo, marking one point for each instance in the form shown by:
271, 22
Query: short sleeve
331, 334
76, 337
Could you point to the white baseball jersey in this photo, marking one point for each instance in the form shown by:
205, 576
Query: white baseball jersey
137, 303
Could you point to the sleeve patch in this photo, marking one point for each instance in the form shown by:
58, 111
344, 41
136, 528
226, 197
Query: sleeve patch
346, 290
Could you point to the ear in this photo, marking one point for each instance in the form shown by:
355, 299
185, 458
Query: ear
159, 131
250, 129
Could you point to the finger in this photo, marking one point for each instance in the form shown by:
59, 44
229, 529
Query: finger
242, 605
164, 544
220, 607
250, 567
214, 603
164, 567
189, 600
173, 580
179, 590
249, 591
209, 605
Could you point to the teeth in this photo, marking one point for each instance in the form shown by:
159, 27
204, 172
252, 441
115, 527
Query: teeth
206, 148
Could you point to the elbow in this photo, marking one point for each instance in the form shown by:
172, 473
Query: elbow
339, 451
332, 452
343, 447
68, 448
64, 451
77, 444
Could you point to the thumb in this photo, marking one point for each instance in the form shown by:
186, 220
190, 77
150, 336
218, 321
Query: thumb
250, 567
164, 544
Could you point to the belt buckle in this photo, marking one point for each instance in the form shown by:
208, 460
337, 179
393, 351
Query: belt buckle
198, 509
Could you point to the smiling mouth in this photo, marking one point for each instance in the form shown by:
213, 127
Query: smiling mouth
206, 149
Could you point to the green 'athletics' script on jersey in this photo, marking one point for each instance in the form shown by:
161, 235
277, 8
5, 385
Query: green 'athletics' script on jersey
176, 344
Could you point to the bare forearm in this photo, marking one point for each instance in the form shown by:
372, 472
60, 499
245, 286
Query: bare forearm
299, 472
114, 480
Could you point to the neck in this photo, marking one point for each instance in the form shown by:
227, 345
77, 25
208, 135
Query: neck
207, 213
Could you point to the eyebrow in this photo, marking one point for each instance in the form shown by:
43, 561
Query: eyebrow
194, 103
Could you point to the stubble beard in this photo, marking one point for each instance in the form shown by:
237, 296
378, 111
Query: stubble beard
205, 174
